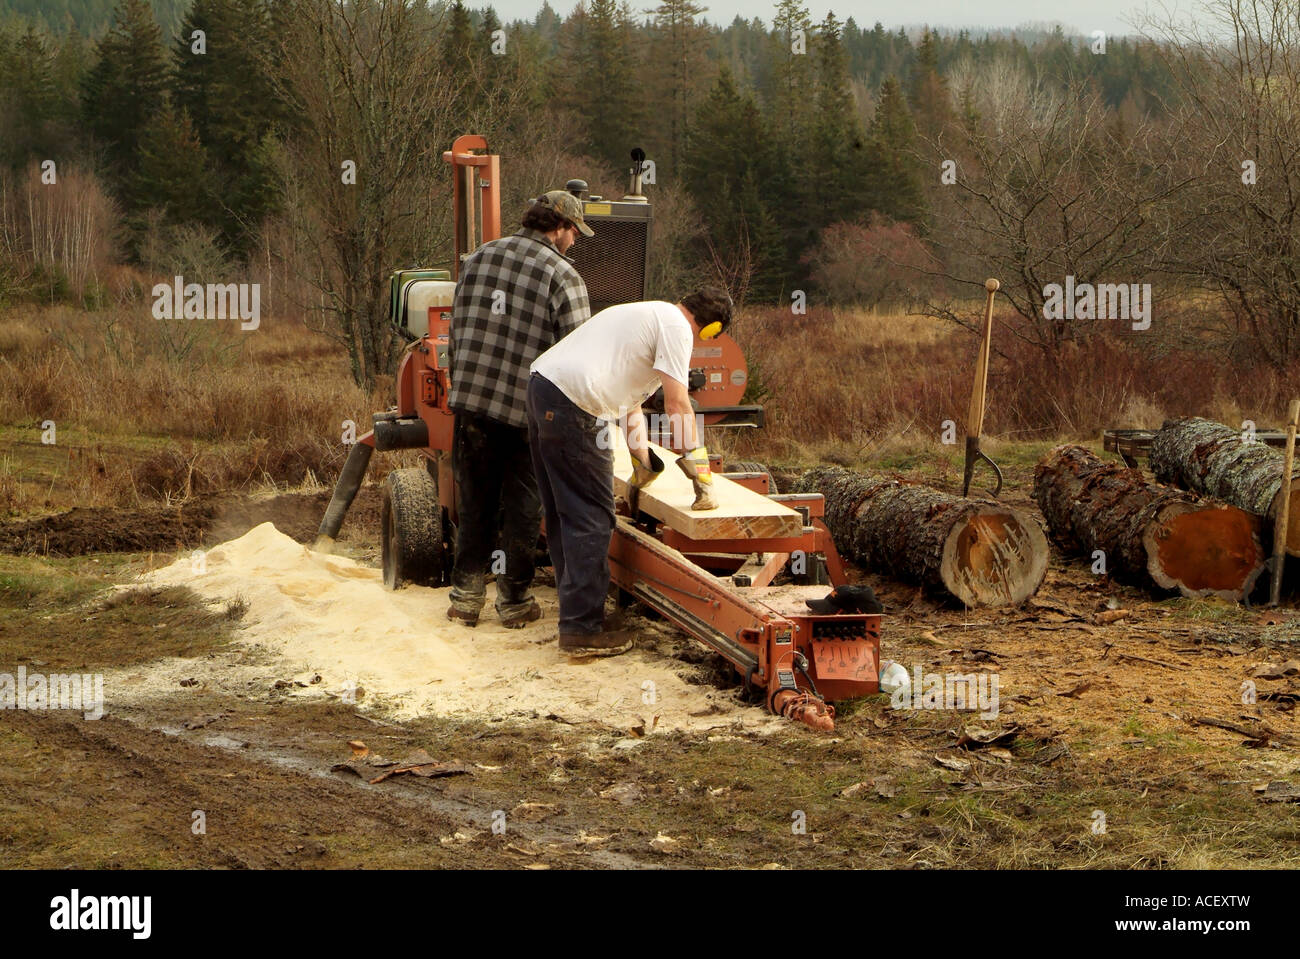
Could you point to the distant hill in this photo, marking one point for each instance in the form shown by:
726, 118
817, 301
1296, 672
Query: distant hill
91, 17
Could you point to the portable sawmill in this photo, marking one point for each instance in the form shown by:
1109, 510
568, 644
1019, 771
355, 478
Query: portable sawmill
711, 575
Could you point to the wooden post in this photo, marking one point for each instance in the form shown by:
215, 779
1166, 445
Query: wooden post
1284, 508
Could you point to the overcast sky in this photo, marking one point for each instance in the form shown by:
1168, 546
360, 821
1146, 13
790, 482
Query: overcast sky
1113, 16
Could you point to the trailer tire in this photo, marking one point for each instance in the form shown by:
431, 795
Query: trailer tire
411, 520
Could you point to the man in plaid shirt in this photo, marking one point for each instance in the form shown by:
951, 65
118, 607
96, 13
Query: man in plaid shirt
516, 297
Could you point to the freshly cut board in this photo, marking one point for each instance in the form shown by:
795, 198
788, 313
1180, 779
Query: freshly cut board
741, 512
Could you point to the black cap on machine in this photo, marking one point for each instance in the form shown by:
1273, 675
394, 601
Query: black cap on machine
846, 599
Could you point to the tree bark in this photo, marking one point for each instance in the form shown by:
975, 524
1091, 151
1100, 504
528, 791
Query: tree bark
1216, 460
978, 551
1146, 532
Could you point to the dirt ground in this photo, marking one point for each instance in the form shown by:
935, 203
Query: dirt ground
1122, 743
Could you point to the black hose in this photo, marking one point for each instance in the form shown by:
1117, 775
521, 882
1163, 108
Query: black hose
345, 491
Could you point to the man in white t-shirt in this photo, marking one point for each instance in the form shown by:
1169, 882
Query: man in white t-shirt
605, 370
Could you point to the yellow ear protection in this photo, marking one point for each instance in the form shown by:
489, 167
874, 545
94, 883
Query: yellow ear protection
711, 330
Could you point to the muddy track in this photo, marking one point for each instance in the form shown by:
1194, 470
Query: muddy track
202, 521
266, 805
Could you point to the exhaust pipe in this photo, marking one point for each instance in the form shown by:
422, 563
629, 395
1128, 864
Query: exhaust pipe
638, 170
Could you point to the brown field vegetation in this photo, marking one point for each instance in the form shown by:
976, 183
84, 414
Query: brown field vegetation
851, 386
150, 410
147, 409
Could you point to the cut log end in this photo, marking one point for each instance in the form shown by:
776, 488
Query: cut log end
994, 558
1149, 532
978, 552
1205, 552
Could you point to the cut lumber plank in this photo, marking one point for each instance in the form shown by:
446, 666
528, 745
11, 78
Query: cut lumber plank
741, 513
981, 552
1150, 534
1217, 461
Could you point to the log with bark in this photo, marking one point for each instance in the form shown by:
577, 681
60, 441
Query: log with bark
1216, 460
1147, 532
981, 552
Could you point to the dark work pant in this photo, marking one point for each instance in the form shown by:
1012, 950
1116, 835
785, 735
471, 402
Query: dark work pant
575, 482
495, 491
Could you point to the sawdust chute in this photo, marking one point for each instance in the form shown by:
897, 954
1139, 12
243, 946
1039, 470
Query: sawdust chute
980, 553
1153, 533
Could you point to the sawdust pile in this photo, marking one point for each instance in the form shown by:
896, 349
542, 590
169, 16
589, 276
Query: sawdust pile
315, 615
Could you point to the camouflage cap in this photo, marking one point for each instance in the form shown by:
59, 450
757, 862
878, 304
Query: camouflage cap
568, 206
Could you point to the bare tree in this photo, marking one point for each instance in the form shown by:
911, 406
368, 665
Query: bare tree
1236, 141
365, 187
366, 87
1047, 185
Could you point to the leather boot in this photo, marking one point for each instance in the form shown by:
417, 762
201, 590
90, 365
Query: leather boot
604, 643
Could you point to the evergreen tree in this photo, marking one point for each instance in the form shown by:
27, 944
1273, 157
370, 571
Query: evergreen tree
791, 78
547, 25
729, 172
597, 47
457, 37
227, 94
494, 64
680, 70
927, 89
126, 90
838, 187
459, 53
28, 97
171, 173
893, 185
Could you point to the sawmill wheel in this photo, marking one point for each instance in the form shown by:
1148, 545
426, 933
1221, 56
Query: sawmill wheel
748, 466
411, 519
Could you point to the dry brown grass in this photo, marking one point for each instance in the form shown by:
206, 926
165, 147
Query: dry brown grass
144, 413
147, 410
852, 386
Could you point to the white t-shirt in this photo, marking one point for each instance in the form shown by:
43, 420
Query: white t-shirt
611, 364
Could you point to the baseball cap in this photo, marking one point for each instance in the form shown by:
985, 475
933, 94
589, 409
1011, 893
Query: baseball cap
568, 206
846, 599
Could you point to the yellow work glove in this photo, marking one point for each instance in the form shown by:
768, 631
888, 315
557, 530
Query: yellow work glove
695, 464
642, 476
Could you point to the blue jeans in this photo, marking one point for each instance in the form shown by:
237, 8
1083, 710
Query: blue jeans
575, 483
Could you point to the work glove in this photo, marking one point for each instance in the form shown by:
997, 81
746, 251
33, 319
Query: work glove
642, 476
695, 465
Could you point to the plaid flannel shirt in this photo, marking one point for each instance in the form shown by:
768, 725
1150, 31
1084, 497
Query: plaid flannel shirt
516, 298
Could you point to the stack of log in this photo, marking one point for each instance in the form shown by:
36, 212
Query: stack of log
980, 552
1147, 532
1216, 460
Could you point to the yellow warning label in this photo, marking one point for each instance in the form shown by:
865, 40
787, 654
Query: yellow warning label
597, 209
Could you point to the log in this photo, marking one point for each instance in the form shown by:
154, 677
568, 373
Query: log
980, 552
1150, 534
1215, 460
741, 513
